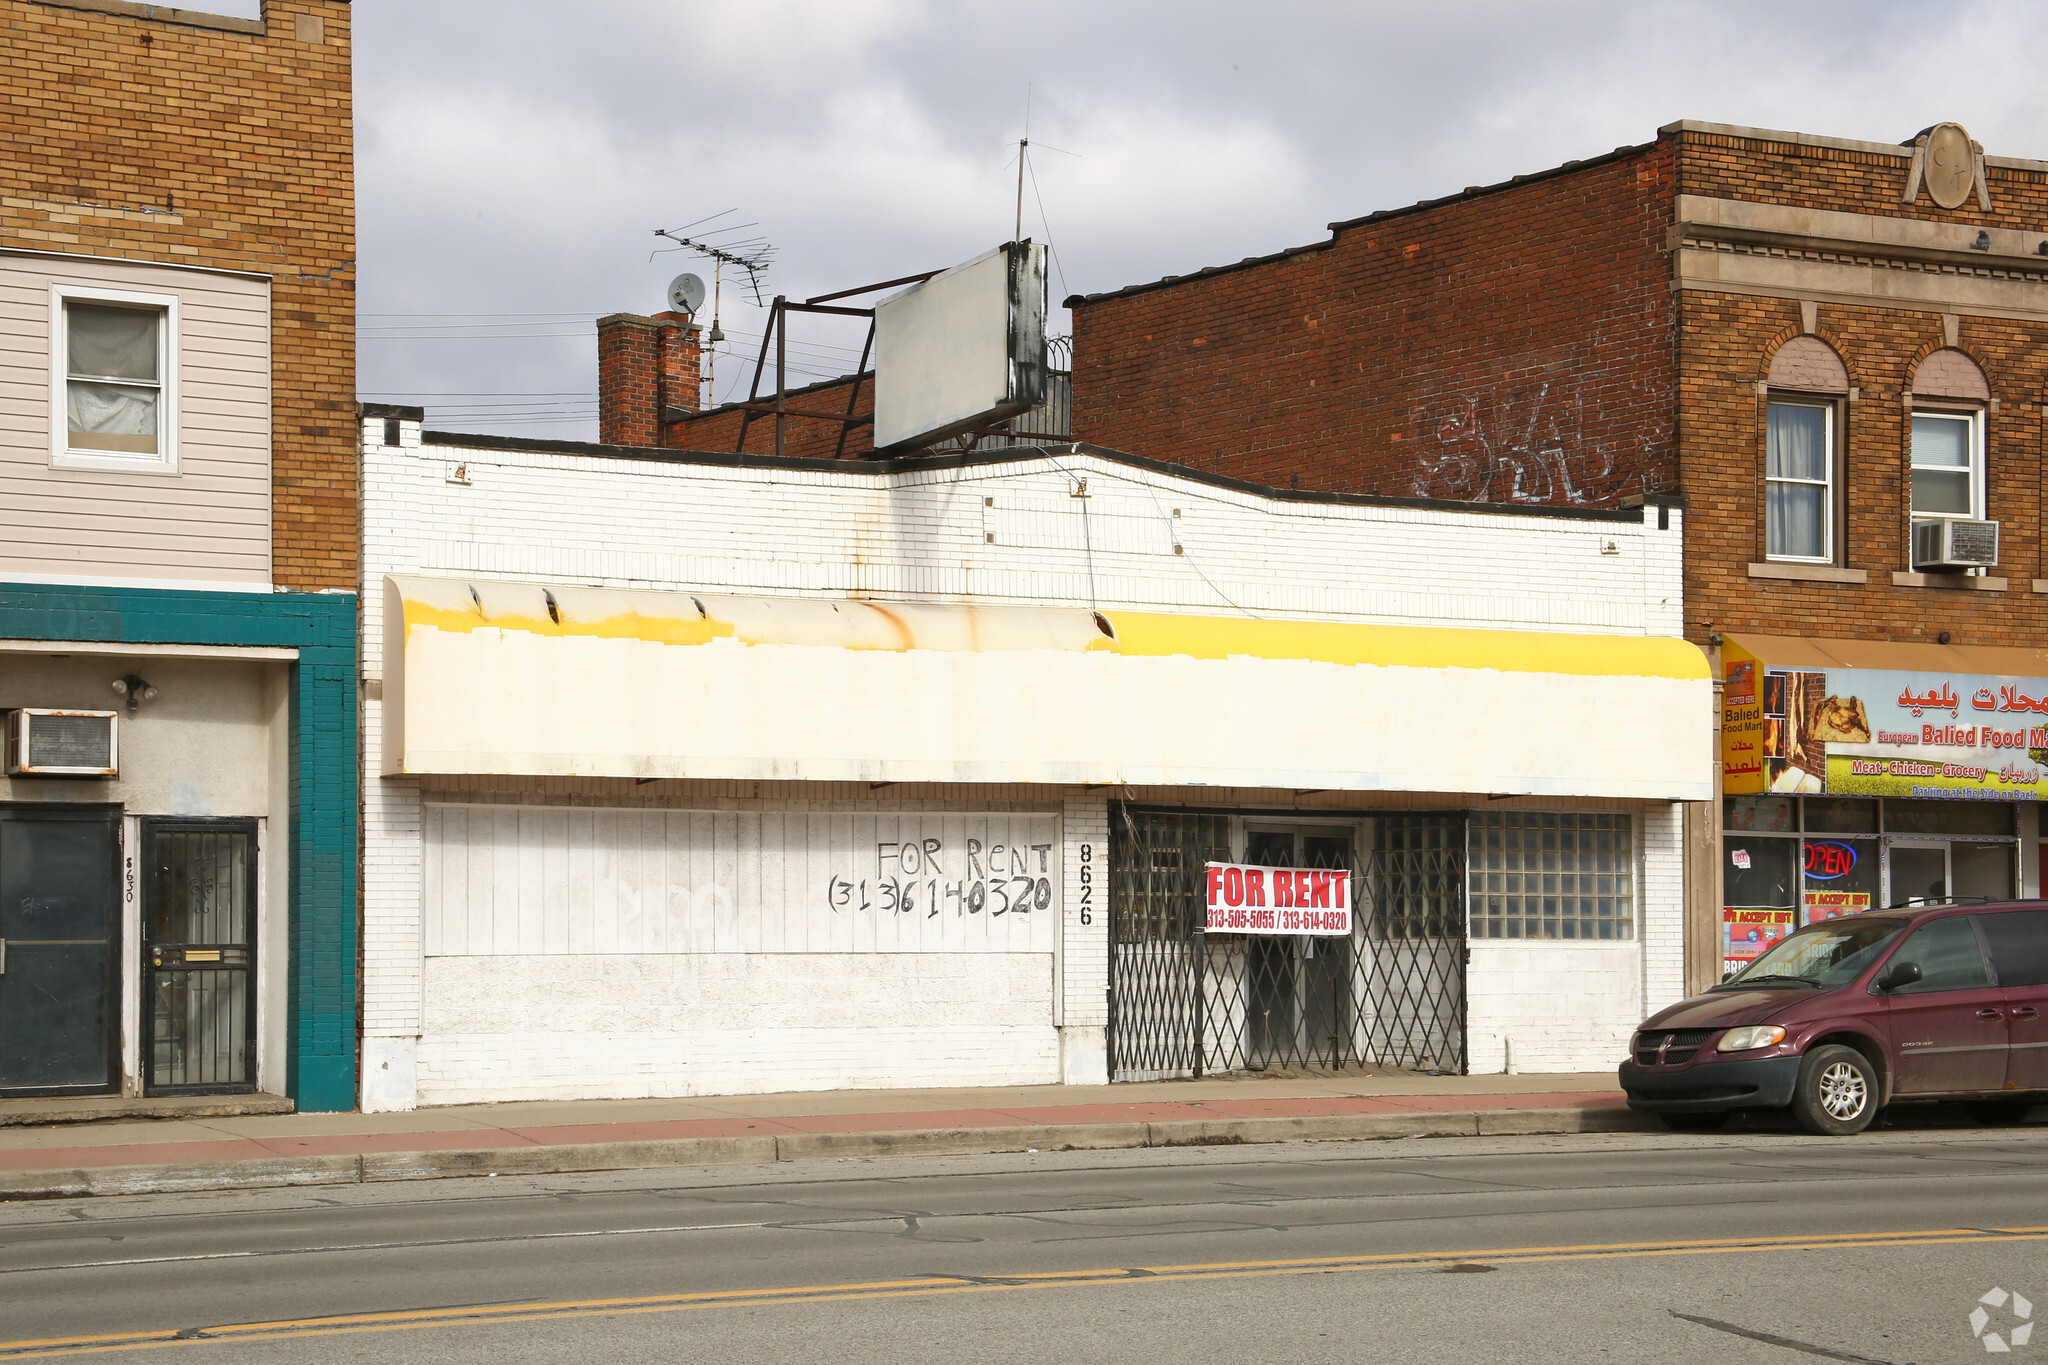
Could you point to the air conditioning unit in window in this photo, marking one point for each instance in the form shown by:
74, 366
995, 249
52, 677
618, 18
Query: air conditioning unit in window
1955, 544
62, 743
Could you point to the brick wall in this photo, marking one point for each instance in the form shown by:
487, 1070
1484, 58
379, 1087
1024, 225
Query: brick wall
1852, 179
209, 142
647, 370
1724, 345
806, 438
1506, 346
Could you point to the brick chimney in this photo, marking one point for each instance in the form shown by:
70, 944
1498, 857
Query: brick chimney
647, 368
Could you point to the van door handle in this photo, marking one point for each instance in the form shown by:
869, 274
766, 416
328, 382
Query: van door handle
3, 957
1989, 1014
2026, 1012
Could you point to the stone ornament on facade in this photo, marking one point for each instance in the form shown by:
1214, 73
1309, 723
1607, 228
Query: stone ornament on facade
1951, 165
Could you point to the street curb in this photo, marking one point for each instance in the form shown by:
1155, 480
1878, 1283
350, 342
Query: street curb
285, 1172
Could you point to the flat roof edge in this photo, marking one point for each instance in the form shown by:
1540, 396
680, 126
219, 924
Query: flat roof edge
1631, 511
1903, 151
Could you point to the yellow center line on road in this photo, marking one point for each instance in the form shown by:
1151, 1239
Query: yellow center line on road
403, 1320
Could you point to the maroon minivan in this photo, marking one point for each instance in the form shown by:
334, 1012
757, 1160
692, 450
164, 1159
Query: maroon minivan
1845, 1016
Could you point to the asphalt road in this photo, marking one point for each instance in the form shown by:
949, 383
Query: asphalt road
1758, 1246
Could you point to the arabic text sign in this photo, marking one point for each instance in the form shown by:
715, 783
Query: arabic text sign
1244, 899
1884, 732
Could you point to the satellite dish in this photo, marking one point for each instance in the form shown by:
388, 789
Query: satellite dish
686, 293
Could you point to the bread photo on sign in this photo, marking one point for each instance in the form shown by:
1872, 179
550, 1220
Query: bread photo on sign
1841, 720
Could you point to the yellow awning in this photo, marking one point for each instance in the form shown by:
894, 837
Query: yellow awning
491, 677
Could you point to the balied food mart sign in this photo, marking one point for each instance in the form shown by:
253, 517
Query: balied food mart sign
1930, 721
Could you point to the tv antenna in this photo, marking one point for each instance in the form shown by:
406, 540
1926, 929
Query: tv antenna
722, 248
751, 254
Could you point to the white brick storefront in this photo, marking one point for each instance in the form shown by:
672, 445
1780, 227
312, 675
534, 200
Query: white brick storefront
554, 937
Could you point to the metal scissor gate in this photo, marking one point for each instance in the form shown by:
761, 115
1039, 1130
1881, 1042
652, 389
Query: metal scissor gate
1183, 1002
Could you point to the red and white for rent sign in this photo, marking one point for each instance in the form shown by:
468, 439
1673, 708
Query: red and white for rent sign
1279, 900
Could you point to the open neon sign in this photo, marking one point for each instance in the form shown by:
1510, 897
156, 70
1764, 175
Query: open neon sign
1828, 860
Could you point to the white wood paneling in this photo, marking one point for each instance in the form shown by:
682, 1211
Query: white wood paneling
210, 520
542, 881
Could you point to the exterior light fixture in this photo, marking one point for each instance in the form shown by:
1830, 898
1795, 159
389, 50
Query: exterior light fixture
135, 688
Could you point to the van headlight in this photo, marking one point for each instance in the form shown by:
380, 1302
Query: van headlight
1750, 1038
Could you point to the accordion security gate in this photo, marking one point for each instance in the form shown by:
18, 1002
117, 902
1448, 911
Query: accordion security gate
1183, 1003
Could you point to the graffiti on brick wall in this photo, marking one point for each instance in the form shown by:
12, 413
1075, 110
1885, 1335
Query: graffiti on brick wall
1524, 443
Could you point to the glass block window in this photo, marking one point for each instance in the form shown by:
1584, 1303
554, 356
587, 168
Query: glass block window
1544, 874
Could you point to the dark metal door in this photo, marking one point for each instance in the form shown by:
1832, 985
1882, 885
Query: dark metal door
199, 943
1293, 994
59, 969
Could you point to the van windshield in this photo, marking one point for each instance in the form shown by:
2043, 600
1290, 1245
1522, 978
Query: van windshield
1828, 954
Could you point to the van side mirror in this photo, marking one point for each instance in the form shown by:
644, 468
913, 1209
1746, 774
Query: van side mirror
1727, 976
1899, 974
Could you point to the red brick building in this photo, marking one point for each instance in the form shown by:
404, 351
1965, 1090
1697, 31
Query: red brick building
1804, 346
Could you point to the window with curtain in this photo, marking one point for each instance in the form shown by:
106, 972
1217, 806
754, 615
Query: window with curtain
1799, 481
113, 390
1947, 465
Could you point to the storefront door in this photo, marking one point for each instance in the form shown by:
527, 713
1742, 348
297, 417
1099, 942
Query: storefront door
199, 910
59, 923
1918, 872
1297, 988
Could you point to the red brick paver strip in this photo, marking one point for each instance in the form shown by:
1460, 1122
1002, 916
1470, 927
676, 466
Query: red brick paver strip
650, 1130
229, 1149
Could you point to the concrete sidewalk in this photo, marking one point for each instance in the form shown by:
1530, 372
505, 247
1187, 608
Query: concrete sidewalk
538, 1137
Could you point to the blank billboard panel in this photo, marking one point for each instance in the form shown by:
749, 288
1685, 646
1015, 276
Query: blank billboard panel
961, 350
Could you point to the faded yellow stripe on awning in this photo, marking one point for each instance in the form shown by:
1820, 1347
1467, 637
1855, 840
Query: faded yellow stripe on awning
1509, 651
678, 618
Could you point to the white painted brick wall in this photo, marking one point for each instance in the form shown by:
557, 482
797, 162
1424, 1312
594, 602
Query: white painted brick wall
1007, 532
611, 1026
1566, 1006
1661, 883
1571, 1006
1085, 966
925, 535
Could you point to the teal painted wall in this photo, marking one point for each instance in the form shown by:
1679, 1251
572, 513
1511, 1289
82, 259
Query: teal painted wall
320, 1070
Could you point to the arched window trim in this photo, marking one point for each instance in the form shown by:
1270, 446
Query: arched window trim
1841, 362
1943, 400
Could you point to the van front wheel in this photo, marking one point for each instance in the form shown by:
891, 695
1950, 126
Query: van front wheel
1836, 1094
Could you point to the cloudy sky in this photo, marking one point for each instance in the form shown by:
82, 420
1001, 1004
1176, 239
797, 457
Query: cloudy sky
515, 157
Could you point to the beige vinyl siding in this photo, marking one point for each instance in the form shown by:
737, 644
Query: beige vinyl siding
210, 520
